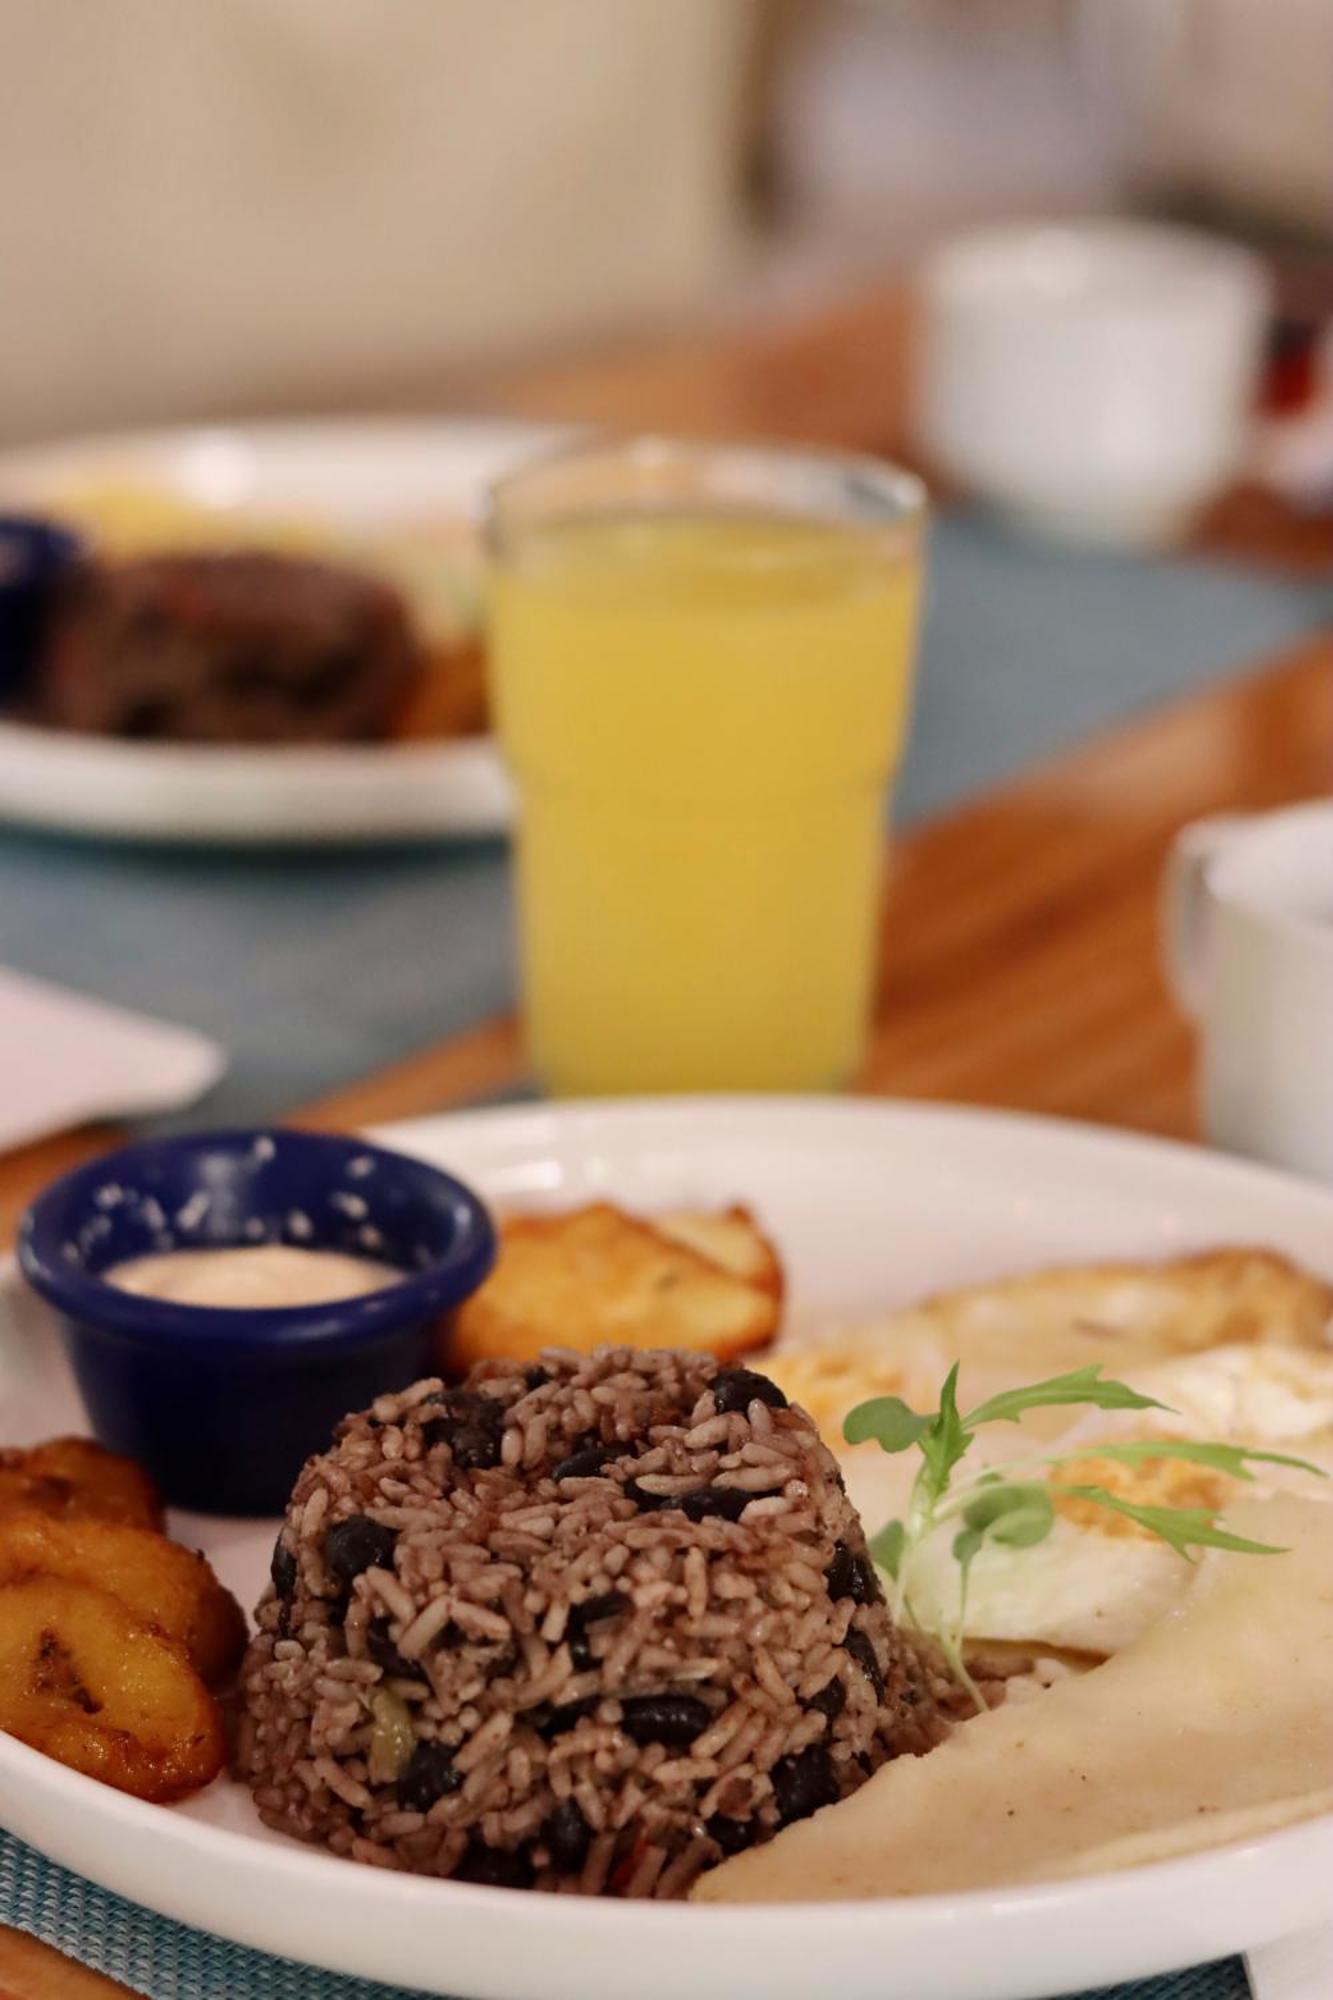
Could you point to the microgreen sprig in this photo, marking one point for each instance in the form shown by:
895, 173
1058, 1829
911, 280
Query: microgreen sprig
1008, 1509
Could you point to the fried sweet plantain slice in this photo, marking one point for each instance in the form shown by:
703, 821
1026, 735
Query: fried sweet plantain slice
88, 1683
160, 1582
596, 1276
76, 1478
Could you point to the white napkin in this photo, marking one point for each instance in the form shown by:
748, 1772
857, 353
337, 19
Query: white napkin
65, 1059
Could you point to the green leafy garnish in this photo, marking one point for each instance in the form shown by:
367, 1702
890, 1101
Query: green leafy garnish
887, 1420
887, 1547
1185, 1528
1009, 1510
1018, 1517
1084, 1386
1234, 1459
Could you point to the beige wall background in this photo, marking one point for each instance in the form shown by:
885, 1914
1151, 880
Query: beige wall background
221, 205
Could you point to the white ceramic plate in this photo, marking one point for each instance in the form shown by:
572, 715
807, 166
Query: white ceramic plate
353, 475
870, 1203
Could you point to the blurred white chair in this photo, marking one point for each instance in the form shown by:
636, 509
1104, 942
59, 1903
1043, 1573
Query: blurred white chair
216, 207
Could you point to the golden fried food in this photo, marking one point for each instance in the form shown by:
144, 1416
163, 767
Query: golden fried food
75, 1478
596, 1276
88, 1683
1180, 1306
448, 696
158, 1581
732, 1238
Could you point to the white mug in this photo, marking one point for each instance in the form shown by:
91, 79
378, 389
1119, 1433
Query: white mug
1092, 380
1248, 923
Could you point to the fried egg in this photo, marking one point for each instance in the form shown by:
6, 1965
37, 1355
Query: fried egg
1099, 1579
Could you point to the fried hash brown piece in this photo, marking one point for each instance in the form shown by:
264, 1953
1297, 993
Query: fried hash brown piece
596, 1276
157, 1580
88, 1683
732, 1238
76, 1478
1182, 1305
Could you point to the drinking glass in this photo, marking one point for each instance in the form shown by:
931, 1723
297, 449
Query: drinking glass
702, 659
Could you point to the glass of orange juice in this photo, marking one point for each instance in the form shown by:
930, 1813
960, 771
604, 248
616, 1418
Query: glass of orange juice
702, 662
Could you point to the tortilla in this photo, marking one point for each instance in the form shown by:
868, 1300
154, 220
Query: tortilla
1214, 1725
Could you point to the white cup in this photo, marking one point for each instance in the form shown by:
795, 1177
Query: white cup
1093, 380
1248, 930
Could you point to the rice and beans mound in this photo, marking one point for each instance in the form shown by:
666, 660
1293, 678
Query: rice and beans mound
590, 1625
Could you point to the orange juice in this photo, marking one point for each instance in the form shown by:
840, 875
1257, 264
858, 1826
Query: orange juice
702, 709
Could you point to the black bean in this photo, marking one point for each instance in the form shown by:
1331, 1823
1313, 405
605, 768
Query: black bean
569, 1836
581, 1616
283, 1570
472, 1425
495, 1868
593, 1609
804, 1783
381, 1649
863, 1653
648, 1503
584, 1463
831, 1699
429, 1775
673, 1719
733, 1836
536, 1378
851, 1575
737, 1388
358, 1544
723, 1503
567, 1714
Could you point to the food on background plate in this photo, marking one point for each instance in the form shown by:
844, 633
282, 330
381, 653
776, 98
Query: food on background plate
252, 1276
75, 1478
1214, 1726
225, 647
158, 1581
597, 1276
103, 1691
591, 1624
433, 569
111, 1636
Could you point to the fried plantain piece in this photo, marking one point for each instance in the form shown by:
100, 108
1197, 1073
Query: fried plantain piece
88, 1683
160, 1582
596, 1276
76, 1478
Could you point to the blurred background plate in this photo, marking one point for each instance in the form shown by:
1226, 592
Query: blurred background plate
352, 477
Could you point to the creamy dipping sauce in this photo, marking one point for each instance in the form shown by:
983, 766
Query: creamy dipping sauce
252, 1276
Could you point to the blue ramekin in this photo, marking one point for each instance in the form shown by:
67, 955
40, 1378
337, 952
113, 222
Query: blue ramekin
34, 555
224, 1405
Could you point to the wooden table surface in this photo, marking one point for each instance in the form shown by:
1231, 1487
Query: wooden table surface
1020, 959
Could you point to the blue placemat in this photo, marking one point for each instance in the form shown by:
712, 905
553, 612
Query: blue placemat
316, 969
168, 1962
